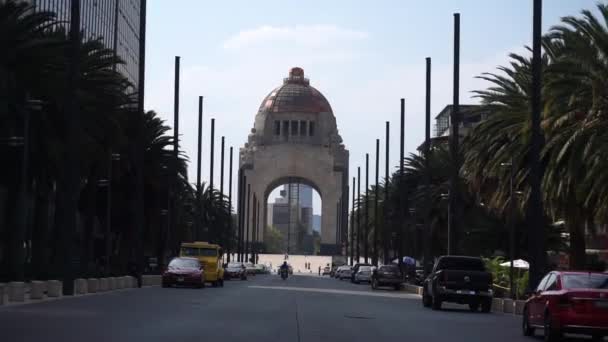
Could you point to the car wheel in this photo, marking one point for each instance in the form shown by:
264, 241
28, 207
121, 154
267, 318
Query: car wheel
527, 329
552, 333
214, 283
221, 282
397, 287
486, 305
436, 303
426, 300
474, 307
597, 338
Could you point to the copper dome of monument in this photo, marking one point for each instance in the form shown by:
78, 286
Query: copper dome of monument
295, 95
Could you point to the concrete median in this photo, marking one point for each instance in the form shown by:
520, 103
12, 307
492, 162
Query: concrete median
103, 285
151, 280
37, 289
54, 288
112, 283
80, 286
2, 287
16, 291
93, 285
508, 306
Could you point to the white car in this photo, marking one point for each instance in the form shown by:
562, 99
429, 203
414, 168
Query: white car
364, 274
344, 272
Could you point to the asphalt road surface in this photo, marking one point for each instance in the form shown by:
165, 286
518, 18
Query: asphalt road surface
264, 308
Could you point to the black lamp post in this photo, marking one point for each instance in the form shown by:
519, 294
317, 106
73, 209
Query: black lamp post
108, 233
376, 214
385, 229
366, 223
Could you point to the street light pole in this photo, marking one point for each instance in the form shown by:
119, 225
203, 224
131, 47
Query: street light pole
358, 212
376, 194
366, 223
198, 225
230, 237
402, 201
108, 234
454, 138
247, 223
428, 240
352, 227
535, 211
386, 199
222, 167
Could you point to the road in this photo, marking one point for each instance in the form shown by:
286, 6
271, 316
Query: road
264, 308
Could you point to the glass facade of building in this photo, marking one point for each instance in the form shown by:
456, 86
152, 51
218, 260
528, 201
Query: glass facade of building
115, 22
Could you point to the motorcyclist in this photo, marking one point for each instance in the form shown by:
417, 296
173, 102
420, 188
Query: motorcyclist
284, 268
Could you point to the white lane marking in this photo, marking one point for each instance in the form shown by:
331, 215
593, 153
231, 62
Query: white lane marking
335, 291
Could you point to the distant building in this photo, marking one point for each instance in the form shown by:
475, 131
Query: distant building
291, 214
316, 223
471, 116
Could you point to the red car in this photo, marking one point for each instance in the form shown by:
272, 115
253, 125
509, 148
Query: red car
184, 272
569, 302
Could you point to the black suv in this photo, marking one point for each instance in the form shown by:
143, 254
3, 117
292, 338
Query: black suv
458, 279
387, 275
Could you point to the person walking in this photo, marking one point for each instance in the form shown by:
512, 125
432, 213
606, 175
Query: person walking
319, 270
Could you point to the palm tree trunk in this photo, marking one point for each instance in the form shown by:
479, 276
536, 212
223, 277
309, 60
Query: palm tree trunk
577, 245
89, 224
40, 245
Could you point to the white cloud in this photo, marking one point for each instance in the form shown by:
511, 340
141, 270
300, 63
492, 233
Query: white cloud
307, 36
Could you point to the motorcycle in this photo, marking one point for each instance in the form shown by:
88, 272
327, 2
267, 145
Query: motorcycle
284, 274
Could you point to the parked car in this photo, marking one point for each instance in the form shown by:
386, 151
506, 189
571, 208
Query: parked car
259, 268
250, 268
326, 270
568, 302
387, 275
355, 269
184, 272
458, 279
364, 274
235, 270
344, 272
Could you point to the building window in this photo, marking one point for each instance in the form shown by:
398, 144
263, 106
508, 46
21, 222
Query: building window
285, 128
303, 128
277, 127
294, 128
311, 128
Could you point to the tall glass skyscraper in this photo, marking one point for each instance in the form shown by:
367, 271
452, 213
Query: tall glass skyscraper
115, 22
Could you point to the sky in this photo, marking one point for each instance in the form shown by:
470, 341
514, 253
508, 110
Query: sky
362, 55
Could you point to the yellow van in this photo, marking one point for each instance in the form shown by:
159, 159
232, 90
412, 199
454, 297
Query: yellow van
210, 256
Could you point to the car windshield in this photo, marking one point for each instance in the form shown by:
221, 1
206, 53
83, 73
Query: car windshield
234, 265
464, 264
365, 269
585, 281
184, 263
391, 268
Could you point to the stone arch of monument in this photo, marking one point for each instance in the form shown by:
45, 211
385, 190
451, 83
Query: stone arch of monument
295, 139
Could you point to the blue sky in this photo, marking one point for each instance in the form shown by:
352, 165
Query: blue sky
362, 55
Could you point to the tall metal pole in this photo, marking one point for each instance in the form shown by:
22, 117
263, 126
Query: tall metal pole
175, 173
512, 227
352, 227
108, 232
254, 219
366, 223
257, 235
198, 226
376, 214
402, 201
247, 223
71, 172
428, 240
385, 228
358, 213
212, 154
454, 141
535, 205
139, 167
222, 167
230, 236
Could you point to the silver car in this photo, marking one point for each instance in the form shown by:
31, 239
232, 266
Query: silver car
344, 272
364, 274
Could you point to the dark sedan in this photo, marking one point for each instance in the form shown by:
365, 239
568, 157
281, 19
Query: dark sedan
387, 275
184, 272
235, 270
